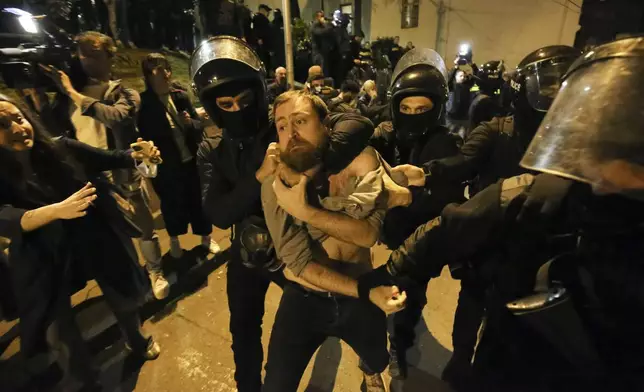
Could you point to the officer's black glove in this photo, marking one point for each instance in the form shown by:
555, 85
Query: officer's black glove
378, 277
544, 197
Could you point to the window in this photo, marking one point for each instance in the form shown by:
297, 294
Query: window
409, 14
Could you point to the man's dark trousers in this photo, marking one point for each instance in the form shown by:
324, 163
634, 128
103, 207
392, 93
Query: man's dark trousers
246, 289
303, 322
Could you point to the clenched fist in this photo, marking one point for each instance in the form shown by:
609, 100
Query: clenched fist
271, 160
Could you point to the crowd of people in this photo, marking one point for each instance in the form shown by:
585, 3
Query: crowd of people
526, 184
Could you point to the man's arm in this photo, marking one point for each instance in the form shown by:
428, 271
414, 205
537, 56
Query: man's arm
465, 165
122, 112
293, 246
459, 233
360, 232
223, 205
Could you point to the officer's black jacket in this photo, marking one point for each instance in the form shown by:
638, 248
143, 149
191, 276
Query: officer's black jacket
400, 222
483, 109
460, 232
229, 190
603, 260
492, 151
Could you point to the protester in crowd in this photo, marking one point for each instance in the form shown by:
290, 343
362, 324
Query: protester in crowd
323, 42
168, 118
371, 105
102, 113
318, 85
279, 86
311, 309
66, 226
409, 46
263, 34
347, 101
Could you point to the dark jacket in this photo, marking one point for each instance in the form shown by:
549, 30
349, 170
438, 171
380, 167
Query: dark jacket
598, 249
118, 113
323, 40
492, 151
222, 17
275, 90
54, 259
229, 190
426, 204
483, 109
262, 30
154, 125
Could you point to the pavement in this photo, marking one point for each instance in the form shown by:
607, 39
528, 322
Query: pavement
192, 328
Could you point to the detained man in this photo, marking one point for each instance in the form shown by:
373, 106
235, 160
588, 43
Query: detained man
324, 242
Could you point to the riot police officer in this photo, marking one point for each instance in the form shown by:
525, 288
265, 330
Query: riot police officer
560, 315
415, 136
491, 152
230, 81
487, 101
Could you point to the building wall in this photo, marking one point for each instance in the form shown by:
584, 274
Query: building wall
496, 29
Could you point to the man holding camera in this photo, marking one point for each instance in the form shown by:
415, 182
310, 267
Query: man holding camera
98, 111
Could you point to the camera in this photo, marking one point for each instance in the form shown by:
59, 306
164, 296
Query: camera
27, 41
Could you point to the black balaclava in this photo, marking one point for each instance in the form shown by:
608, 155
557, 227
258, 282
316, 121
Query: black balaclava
241, 124
410, 128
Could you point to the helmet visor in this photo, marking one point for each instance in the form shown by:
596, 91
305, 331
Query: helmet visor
594, 130
543, 81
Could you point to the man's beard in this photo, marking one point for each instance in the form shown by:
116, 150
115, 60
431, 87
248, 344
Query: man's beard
306, 156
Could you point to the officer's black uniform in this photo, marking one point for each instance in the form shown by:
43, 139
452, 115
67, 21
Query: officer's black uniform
487, 100
231, 193
491, 152
570, 322
415, 139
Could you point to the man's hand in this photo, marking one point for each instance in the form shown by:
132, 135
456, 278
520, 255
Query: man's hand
260, 42
271, 160
293, 200
415, 175
388, 298
61, 79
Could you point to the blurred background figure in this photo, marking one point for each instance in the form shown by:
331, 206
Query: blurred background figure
279, 50
323, 42
263, 34
279, 86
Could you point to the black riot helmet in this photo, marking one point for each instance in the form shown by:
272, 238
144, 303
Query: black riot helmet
593, 130
225, 66
420, 72
490, 76
538, 77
